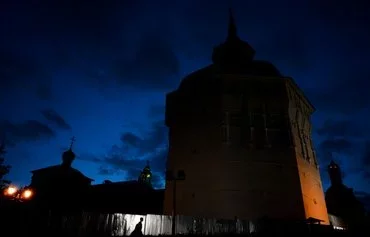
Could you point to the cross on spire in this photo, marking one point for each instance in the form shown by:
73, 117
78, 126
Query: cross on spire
73, 139
232, 31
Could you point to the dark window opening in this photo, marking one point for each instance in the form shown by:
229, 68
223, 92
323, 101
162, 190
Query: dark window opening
278, 138
258, 120
246, 135
276, 121
236, 119
235, 135
257, 108
259, 138
224, 133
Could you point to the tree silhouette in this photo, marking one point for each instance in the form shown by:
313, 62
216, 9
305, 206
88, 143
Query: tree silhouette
4, 169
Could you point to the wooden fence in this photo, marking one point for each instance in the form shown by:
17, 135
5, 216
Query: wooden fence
48, 223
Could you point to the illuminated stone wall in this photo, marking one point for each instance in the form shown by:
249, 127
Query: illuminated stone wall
312, 191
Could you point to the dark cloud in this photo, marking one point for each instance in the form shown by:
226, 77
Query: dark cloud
106, 171
131, 154
336, 145
52, 116
131, 139
84, 18
132, 166
366, 174
13, 67
345, 139
345, 91
155, 139
73, 35
30, 130
288, 49
342, 12
156, 111
366, 155
340, 128
21, 70
343, 74
154, 65
99, 38
329, 147
44, 91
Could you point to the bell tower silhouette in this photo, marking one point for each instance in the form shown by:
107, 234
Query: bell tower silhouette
69, 156
146, 175
335, 174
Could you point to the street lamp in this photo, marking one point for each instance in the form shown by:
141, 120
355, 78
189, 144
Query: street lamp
10, 191
170, 176
17, 194
27, 194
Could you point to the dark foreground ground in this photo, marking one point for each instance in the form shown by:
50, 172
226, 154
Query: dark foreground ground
24, 222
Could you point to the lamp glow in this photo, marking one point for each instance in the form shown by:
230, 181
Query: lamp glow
11, 190
27, 194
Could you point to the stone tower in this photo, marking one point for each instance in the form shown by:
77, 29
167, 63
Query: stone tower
335, 174
146, 175
341, 200
241, 132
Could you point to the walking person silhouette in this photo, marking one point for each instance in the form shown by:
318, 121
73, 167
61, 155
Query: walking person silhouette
138, 228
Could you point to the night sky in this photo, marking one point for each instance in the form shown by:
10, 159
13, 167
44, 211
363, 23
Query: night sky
99, 70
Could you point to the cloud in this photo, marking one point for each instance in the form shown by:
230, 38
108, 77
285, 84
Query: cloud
345, 139
106, 171
328, 147
44, 91
52, 116
341, 128
345, 91
131, 154
365, 161
30, 130
156, 111
153, 140
131, 139
292, 46
366, 155
72, 42
13, 67
335, 145
154, 65
18, 71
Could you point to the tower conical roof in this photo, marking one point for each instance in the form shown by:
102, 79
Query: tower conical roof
233, 50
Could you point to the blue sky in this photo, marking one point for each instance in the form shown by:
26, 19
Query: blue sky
99, 71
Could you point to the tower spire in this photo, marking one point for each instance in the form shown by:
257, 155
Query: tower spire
232, 30
233, 51
73, 139
68, 156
